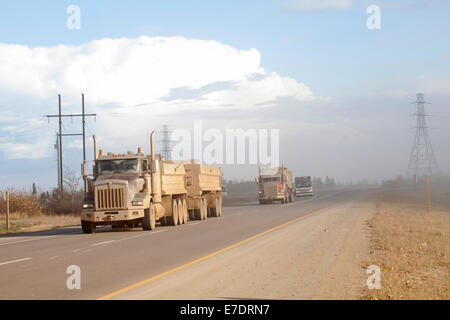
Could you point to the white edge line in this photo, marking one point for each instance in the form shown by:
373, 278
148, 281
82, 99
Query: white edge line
100, 243
34, 239
8, 262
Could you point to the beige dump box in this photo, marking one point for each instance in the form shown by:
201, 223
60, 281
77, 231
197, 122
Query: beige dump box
204, 191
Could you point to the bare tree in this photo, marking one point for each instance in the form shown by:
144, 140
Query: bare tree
72, 185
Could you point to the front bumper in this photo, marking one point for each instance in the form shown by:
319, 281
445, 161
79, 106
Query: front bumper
111, 215
272, 197
303, 193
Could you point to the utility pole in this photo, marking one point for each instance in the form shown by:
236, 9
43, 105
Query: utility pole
84, 137
422, 161
61, 183
60, 116
58, 162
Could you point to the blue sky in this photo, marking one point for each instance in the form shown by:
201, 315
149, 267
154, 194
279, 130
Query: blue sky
413, 39
363, 74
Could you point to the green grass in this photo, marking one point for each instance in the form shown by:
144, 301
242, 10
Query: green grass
15, 226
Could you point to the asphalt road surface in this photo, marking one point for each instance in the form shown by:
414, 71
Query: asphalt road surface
116, 262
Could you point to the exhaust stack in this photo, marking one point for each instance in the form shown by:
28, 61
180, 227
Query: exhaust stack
155, 172
95, 147
152, 144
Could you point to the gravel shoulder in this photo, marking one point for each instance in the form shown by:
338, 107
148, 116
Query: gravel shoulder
319, 257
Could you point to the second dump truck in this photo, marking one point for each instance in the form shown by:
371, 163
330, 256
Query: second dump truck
275, 184
134, 189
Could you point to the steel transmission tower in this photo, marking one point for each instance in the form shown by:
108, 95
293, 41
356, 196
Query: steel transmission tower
422, 161
166, 143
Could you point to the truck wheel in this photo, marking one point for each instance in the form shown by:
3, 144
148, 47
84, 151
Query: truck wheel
180, 212
149, 220
88, 226
215, 212
220, 207
205, 209
185, 212
173, 219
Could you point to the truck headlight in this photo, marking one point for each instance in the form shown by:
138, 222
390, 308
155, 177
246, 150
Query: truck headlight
88, 206
137, 203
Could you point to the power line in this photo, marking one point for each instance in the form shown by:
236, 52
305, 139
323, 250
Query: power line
60, 117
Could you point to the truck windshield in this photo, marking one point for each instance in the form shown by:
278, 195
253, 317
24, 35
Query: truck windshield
303, 183
118, 166
276, 179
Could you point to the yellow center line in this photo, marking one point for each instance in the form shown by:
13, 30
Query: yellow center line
140, 283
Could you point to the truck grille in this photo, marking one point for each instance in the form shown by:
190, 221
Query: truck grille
109, 198
270, 188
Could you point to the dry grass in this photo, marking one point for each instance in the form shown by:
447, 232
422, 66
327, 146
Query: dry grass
26, 223
20, 202
411, 247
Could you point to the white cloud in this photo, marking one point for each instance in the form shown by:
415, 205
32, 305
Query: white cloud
310, 6
25, 150
135, 80
123, 71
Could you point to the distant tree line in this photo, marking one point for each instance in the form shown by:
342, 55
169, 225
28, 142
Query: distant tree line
318, 183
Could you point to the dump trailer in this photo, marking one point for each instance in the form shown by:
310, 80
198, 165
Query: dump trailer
204, 190
275, 184
303, 186
135, 189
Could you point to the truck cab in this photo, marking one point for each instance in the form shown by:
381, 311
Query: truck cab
274, 184
303, 186
119, 191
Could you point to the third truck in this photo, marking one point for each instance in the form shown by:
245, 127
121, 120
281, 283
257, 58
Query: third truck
275, 184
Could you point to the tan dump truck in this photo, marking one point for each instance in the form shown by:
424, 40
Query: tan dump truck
275, 184
134, 189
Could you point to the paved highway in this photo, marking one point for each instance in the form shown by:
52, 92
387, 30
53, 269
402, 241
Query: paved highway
34, 265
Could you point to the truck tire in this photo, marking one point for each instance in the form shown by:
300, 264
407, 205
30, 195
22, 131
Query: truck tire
173, 219
88, 226
180, 212
149, 220
191, 215
220, 207
215, 212
185, 212
205, 209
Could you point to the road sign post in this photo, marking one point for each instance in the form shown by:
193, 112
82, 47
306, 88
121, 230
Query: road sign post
428, 194
7, 210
